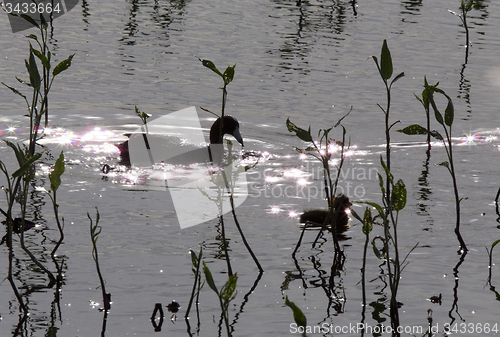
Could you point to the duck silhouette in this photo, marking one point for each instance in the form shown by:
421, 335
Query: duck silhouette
177, 139
339, 220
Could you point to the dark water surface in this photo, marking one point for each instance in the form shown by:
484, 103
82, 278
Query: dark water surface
310, 62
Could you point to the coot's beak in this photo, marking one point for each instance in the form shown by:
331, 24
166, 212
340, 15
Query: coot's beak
236, 134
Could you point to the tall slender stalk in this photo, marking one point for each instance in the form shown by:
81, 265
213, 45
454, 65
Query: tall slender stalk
95, 230
37, 106
55, 182
446, 122
394, 194
225, 295
465, 8
39, 84
227, 78
196, 262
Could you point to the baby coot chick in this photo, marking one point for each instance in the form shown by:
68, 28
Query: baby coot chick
316, 217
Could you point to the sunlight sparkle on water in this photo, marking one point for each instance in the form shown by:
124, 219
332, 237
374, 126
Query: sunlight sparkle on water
97, 134
271, 179
478, 138
40, 189
351, 151
292, 214
469, 139
106, 148
302, 182
333, 147
275, 210
293, 173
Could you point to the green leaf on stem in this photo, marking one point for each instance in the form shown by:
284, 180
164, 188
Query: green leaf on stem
367, 221
402, 74
437, 114
449, 112
377, 207
62, 66
468, 6
298, 315
414, 129
43, 58
194, 259
386, 169
381, 183
436, 135
20, 154
22, 81
30, 20
210, 65
33, 71
26, 166
209, 278
14, 90
55, 176
301, 133
32, 36
142, 115
229, 74
398, 197
385, 62
228, 290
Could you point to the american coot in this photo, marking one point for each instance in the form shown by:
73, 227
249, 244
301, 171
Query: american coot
316, 217
177, 138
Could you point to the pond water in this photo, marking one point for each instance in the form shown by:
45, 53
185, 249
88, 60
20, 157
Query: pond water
309, 61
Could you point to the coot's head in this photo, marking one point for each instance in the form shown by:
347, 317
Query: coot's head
230, 127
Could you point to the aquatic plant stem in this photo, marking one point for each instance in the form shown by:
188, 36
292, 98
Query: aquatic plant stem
59, 226
388, 143
363, 270
94, 234
386, 71
448, 145
393, 283
237, 223
451, 169
197, 280
465, 8
332, 188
